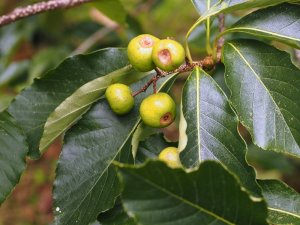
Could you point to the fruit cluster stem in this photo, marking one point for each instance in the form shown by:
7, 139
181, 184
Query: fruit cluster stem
221, 40
206, 64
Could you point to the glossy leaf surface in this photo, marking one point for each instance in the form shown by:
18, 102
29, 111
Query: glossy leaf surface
280, 23
209, 129
265, 91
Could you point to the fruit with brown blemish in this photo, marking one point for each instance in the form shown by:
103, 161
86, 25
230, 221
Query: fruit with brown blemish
168, 54
158, 110
139, 52
119, 98
170, 156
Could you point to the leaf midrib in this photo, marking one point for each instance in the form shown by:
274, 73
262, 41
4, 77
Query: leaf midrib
258, 30
284, 212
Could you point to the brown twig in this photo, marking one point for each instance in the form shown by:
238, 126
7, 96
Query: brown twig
22, 12
207, 64
221, 18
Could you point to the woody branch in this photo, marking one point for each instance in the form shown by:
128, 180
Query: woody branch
22, 12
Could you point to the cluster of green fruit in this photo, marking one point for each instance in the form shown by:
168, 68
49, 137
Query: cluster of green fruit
146, 52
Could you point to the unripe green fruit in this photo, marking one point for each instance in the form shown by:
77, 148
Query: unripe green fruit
119, 98
170, 156
139, 52
158, 110
168, 54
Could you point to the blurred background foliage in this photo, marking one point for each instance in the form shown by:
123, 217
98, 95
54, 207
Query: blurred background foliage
31, 47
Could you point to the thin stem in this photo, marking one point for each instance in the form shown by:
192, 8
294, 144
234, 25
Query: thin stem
219, 41
207, 64
208, 45
22, 12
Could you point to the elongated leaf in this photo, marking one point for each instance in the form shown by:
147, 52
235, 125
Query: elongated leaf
70, 110
210, 129
157, 194
115, 216
227, 6
33, 106
279, 23
265, 91
86, 183
13, 150
283, 202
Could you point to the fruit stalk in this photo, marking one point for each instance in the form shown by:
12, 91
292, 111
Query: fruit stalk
206, 64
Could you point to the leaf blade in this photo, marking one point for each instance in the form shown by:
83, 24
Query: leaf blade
156, 194
32, 107
266, 95
211, 129
275, 23
283, 202
73, 107
95, 141
13, 150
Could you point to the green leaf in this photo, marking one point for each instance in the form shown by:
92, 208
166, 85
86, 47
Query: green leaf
227, 6
113, 9
157, 194
33, 106
71, 109
86, 183
13, 150
209, 129
278, 23
283, 202
115, 216
265, 91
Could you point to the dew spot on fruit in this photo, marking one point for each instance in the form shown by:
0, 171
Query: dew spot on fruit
166, 119
165, 56
146, 42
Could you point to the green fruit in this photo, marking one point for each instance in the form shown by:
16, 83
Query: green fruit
168, 54
158, 110
119, 98
139, 52
171, 157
